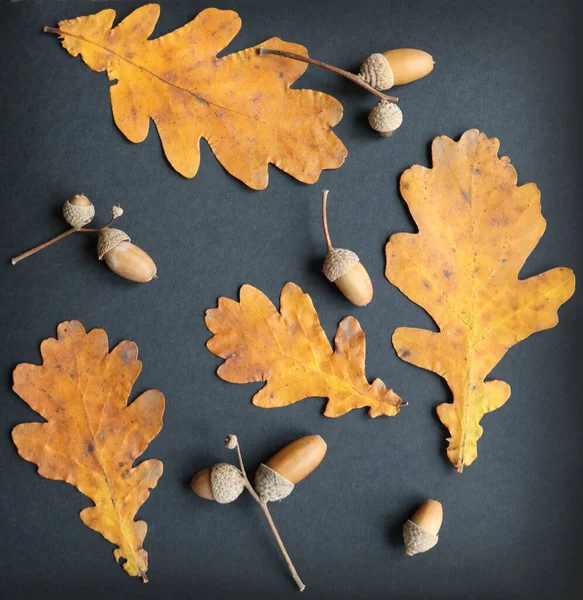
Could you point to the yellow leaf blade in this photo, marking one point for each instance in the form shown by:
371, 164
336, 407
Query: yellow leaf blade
290, 351
242, 104
476, 230
91, 436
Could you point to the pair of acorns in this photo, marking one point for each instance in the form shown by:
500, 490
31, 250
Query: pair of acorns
113, 245
384, 70
274, 480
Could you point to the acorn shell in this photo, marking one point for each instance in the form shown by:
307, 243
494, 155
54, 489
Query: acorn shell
338, 262
78, 211
270, 485
408, 64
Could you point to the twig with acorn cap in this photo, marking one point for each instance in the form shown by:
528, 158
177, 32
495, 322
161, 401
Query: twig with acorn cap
114, 246
274, 480
379, 72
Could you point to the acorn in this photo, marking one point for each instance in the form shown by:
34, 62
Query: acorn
385, 117
223, 483
395, 67
276, 478
420, 531
343, 268
124, 258
78, 211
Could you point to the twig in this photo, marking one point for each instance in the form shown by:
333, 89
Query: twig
60, 237
267, 514
325, 219
317, 63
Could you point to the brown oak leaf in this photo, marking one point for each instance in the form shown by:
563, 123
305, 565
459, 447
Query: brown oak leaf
241, 103
91, 436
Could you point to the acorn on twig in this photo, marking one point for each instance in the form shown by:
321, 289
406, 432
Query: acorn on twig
124, 258
420, 531
78, 211
385, 117
276, 478
344, 269
121, 256
383, 70
223, 483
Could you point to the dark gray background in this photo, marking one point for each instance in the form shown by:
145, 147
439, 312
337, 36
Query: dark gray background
512, 525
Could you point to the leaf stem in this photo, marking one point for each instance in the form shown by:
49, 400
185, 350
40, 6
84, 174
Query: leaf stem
267, 514
48, 243
317, 63
325, 219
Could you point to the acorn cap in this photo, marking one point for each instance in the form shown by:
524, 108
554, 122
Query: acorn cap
417, 539
338, 262
110, 238
377, 72
78, 215
385, 117
270, 485
227, 483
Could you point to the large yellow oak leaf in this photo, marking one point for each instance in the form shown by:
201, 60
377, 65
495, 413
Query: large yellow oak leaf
290, 351
476, 230
241, 103
91, 436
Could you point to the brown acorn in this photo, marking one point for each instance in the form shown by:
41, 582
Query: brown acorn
395, 67
343, 268
420, 532
124, 258
78, 211
276, 478
223, 483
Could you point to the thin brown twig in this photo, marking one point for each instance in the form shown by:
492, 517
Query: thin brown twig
325, 219
267, 514
318, 63
48, 243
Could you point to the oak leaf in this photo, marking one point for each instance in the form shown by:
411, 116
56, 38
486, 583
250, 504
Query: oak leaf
476, 230
91, 437
290, 351
241, 103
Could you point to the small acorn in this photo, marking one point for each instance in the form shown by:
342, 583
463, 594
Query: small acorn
385, 117
124, 258
223, 483
343, 268
395, 67
276, 478
78, 211
420, 532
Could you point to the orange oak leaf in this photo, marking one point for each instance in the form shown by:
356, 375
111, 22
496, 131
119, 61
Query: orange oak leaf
290, 351
241, 103
476, 230
91, 436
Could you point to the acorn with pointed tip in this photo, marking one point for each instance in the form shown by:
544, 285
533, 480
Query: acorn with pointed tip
223, 483
276, 479
78, 211
344, 269
124, 258
420, 531
395, 67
